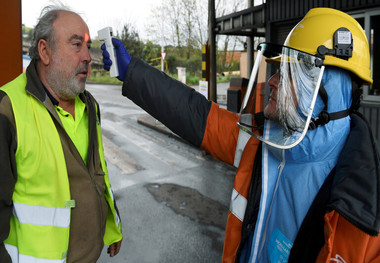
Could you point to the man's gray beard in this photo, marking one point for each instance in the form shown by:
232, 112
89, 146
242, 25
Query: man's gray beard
273, 116
289, 121
64, 88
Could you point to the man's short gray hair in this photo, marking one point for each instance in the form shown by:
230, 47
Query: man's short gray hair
44, 28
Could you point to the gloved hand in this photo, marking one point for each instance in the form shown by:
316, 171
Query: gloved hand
122, 56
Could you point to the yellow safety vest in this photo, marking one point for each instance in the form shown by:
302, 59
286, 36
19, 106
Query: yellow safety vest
40, 224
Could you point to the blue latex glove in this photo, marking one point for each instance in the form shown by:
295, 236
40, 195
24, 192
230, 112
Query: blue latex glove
122, 56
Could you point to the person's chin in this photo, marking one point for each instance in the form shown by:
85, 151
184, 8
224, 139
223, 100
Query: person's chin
269, 112
81, 82
79, 88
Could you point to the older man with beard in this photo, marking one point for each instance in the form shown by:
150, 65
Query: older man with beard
56, 203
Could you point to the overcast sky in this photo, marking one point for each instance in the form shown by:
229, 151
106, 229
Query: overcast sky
98, 13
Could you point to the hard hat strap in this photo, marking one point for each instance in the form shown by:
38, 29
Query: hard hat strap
325, 117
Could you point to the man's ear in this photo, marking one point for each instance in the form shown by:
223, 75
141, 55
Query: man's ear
44, 51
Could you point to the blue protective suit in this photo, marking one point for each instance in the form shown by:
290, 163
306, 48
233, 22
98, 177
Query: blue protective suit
292, 178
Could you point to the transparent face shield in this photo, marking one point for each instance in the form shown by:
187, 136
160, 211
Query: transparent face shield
284, 85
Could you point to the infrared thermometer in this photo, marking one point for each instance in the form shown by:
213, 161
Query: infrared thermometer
105, 35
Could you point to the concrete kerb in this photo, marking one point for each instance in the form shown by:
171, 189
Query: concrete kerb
149, 121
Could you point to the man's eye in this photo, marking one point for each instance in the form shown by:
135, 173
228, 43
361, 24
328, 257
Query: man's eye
77, 45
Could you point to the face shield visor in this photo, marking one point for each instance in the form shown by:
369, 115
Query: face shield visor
284, 84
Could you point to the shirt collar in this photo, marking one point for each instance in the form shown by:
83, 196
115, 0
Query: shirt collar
53, 100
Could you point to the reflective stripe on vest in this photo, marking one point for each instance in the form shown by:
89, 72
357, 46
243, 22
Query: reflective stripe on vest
238, 205
242, 140
19, 258
41, 215
117, 219
238, 202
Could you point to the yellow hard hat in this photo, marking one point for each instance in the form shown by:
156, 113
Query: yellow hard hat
319, 27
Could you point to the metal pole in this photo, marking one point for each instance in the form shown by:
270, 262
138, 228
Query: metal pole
212, 42
206, 63
250, 52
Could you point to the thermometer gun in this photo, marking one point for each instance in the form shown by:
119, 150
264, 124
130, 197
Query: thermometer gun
105, 35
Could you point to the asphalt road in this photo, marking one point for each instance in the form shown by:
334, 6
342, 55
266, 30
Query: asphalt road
173, 198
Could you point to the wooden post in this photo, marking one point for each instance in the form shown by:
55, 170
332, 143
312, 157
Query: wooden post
11, 40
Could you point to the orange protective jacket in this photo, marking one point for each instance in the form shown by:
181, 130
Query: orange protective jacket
341, 240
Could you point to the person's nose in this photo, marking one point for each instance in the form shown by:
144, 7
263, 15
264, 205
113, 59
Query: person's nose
86, 56
273, 81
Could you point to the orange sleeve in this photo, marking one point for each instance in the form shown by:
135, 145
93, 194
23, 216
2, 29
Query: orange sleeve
221, 134
346, 243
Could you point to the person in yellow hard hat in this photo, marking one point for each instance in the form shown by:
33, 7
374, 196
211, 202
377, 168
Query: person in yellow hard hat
306, 187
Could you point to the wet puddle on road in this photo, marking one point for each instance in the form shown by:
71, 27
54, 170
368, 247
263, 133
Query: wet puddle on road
190, 203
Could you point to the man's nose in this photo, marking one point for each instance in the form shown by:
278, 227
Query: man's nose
273, 81
86, 56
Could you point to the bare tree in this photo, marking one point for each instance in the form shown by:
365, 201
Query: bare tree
189, 6
200, 23
174, 13
166, 23
158, 29
183, 23
228, 43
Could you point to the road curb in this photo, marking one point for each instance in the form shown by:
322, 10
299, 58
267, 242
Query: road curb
149, 121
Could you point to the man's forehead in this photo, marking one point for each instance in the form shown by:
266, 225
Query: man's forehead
71, 26
85, 37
